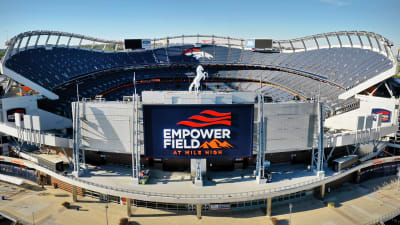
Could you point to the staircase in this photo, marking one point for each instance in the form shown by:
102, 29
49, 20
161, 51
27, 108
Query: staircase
396, 139
381, 146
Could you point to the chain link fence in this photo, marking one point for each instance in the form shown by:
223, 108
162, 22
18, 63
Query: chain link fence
18, 172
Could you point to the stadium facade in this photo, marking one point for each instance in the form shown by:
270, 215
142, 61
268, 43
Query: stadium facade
315, 101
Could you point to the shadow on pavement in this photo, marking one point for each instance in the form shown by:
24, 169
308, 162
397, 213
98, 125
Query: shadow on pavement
133, 223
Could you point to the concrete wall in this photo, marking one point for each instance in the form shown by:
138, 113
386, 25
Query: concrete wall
348, 120
290, 126
204, 97
48, 121
107, 126
65, 186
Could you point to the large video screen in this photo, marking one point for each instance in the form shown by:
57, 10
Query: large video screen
198, 131
133, 43
263, 43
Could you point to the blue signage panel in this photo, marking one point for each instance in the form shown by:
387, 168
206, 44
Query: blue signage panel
198, 131
386, 114
250, 44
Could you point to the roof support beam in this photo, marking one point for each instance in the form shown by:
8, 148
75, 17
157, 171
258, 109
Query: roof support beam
340, 41
377, 42
388, 89
376, 88
37, 40
370, 42
47, 40
69, 41
380, 38
386, 50
27, 42
58, 40
351, 42
360, 40
327, 40
19, 44
291, 44
304, 45
316, 42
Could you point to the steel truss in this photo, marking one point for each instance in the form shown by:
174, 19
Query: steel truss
78, 158
260, 166
135, 146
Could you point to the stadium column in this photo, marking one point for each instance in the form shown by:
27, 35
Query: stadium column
260, 167
320, 159
74, 194
322, 191
198, 210
129, 206
38, 177
268, 208
358, 175
76, 141
134, 124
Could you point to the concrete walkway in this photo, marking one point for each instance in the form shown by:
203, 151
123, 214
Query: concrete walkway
181, 183
355, 204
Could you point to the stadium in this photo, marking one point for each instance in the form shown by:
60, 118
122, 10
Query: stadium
198, 123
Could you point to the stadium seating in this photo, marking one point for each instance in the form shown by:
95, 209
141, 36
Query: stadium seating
92, 86
50, 68
55, 67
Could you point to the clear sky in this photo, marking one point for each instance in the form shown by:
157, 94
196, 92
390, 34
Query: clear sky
279, 19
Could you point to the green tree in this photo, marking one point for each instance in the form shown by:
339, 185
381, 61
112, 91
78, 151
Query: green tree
2, 52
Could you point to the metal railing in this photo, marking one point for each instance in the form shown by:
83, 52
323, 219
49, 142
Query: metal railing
384, 218
223, 197
18, 172
204, 196
376, 42
260, 193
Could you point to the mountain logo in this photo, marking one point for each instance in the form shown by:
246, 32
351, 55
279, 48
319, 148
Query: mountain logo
217, 119
215, 144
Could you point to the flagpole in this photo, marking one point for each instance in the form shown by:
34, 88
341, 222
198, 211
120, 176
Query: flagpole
134, 81
77, 92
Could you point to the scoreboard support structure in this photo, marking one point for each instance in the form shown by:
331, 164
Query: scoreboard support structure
260, 167
320, 158
79, 160
198, 178
135, 136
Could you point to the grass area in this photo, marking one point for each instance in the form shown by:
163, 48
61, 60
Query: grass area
2, 52
398, 72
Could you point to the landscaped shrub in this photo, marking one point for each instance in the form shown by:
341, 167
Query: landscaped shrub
123, 221
66, 205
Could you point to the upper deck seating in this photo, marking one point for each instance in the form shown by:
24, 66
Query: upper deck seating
53, 67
